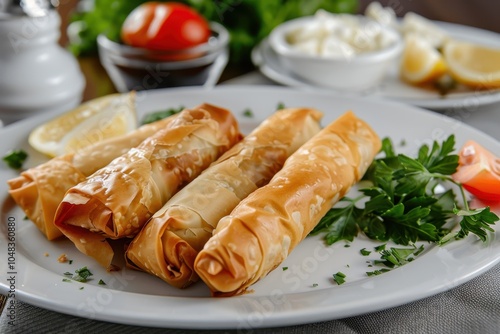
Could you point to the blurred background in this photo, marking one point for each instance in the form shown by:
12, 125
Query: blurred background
247, 20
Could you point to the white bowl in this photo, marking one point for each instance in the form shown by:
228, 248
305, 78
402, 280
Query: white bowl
355, 73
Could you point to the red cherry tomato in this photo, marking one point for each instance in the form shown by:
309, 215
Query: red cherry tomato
479, 172
164, 26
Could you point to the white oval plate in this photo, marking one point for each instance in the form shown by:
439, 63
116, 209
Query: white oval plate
285, 297
392, 88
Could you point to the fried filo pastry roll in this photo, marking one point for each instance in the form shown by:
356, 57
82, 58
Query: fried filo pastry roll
266, 226
117, 200
39, 190
168, 244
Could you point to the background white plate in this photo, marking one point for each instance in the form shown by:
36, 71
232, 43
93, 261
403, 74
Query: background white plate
392, 88
285, 297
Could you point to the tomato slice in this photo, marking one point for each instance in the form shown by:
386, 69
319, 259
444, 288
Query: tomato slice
479, 172
164, 26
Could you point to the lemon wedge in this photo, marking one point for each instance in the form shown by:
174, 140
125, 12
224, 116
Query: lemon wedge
421, 63
98, 119
472, 64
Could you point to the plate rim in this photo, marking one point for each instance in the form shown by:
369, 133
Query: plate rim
481, 98
284, 318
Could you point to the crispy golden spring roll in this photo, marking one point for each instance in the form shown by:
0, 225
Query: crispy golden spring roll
118, 199
169, 242
266, 226
39, 190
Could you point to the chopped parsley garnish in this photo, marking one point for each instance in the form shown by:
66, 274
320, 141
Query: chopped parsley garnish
380, 248
70, 261
365, 252
101, 282
419, 250
285, 268
315, 285
15, 158
339, 278
247, 113
395, 257
81, 288
404, 203
377, 272
158, 115
66, 280
280, 106
81, 275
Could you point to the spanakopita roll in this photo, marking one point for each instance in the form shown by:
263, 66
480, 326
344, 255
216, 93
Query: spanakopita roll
267, 225
40, 189
116, 201
168, 244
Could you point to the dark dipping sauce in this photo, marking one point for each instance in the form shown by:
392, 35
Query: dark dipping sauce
154, 77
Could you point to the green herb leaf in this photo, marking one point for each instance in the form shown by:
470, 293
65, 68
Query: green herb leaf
82, 275
248, 113
365, 252
339, 278
476, 221
15, 158
339, 223
388, 147
439, 160
280, 106
159, 115
395, 257
377, 272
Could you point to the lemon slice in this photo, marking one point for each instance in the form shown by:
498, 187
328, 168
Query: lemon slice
472, 64
421, 63
98, 119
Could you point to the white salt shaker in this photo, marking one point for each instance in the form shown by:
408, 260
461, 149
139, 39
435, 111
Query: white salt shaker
37, 75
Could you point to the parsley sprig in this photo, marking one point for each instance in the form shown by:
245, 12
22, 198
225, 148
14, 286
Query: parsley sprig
409, 199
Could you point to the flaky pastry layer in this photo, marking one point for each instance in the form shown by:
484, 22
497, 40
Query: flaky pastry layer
168, 244
267, 225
